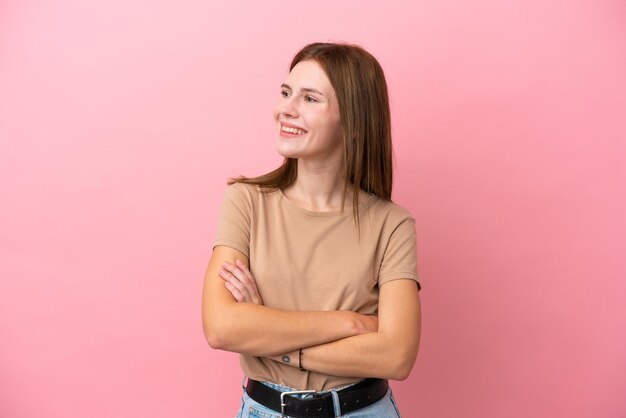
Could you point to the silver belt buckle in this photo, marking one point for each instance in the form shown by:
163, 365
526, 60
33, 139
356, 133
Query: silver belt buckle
282, 399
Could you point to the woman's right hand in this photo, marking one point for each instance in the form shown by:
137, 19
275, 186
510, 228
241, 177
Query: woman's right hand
240, 283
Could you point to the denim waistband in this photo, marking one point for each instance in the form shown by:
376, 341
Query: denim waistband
283, 388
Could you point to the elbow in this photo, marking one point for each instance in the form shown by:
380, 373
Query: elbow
218, 329
402, 366
219, 341
401, 373
404, 355
215, 336
214, 340
222, 331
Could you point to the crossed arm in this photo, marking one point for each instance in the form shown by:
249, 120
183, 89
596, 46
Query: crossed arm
340, 343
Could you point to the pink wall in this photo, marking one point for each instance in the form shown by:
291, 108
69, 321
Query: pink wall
120, 121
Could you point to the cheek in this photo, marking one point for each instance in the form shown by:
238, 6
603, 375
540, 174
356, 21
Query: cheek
333, 121
323, 121
275, 112
335, 127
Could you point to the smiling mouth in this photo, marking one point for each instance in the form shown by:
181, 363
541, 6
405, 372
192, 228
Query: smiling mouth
291, 132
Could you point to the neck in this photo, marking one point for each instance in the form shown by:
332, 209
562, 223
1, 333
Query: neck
319, 187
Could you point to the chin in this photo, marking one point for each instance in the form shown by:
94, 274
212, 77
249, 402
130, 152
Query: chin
287, 153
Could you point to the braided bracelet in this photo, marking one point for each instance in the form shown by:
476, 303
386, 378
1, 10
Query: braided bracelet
300, 361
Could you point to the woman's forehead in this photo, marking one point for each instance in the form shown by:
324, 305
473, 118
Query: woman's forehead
309, 76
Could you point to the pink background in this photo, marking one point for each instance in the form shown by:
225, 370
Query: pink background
121, 120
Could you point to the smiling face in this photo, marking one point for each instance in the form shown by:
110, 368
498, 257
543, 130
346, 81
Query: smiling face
307, 115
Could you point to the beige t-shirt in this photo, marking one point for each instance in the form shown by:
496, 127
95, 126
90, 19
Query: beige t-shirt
314, 261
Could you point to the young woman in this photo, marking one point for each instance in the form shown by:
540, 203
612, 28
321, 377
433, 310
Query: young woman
321, 302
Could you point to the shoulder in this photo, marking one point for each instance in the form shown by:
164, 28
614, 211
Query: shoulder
390, 212
242, 187
250, 195
242, 191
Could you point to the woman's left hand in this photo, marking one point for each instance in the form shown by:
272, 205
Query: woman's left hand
240, 282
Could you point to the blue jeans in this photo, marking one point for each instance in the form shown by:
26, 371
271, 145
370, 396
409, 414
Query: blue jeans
384, 408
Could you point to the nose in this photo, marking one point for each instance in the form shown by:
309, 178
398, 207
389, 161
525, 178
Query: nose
288, 107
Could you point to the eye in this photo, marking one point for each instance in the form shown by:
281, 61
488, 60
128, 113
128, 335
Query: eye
310, 97
284, 93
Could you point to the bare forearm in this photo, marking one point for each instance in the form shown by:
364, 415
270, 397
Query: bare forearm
261, 331
257, 330
248, 327
368, 355
388, 353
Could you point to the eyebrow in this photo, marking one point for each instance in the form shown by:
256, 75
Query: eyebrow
307, 89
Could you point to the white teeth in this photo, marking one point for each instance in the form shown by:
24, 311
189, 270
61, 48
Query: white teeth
292, 130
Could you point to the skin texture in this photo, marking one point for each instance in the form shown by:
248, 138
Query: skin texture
318, 186
341, 343
389, 352
224, 328
317, 113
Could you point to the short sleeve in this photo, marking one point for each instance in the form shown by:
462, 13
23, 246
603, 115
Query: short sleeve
233, 222
400, 256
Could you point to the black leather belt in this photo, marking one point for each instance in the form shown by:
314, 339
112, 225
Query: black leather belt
319, 405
